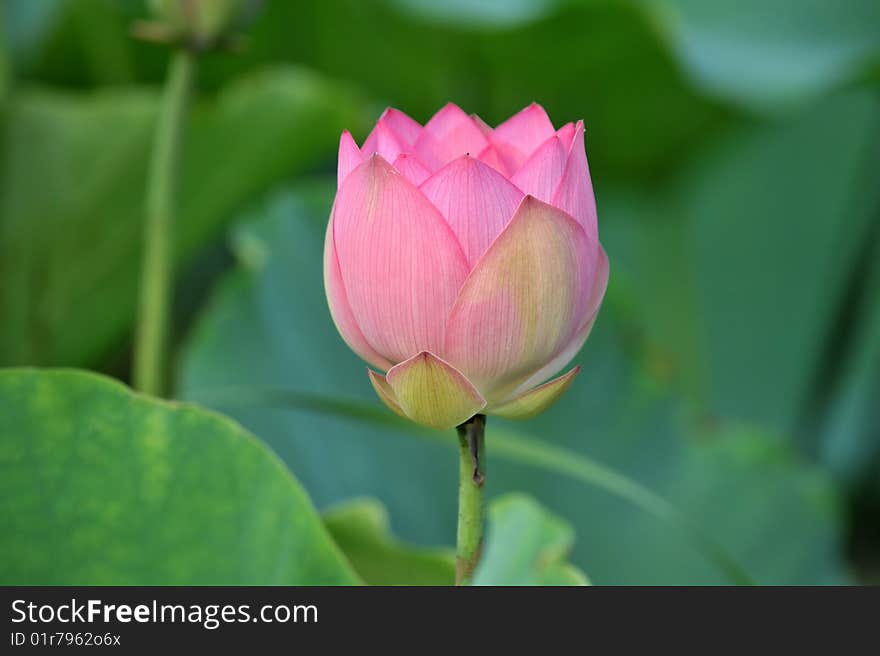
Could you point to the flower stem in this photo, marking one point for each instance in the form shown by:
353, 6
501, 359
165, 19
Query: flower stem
472, 475
150, 358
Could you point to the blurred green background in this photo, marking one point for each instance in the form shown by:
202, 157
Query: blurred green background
735, 367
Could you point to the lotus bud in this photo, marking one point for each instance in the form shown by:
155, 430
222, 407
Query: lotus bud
462, 262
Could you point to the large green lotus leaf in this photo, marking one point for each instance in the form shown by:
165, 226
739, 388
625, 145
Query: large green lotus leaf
735, 271
525, 545
101, 486
770, 54
362, 530
72, 187
267, 353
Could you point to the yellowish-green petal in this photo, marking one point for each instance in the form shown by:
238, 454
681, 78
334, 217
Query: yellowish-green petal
384, 392
432, 392
535, 401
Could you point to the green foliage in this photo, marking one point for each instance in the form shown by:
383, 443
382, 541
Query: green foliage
770, 54
72, 187
764, 227
602, 62
267, 330
362, 530
759, 54
526, 545
100, 486
849, 439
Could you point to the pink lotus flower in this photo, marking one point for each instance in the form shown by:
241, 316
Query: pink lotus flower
465, 261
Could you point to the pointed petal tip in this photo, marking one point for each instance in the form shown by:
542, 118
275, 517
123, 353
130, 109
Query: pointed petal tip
375, 161
451, 106
409, 166
385, 393
349, 157
535, 401
530, 203
449, 110
476, 200
433, 393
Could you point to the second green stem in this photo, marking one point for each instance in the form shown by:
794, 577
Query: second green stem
150, 357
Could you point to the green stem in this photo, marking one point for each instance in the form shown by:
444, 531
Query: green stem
472, 475
150, 359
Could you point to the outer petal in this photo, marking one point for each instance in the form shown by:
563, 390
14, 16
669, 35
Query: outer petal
449, 134
433, 392
566, 134
405, 127
399, 259
574, 345
349, 157
340, 309
411, 168
385, 141
537, 400
476, 201
541, 173
522, 300
525, 130
385, 393
575, 191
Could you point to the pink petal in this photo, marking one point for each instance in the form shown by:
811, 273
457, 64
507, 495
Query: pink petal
449, 134
340, 309
566, 134
402, 125
492, 156
476, 201
411, 168
432, 392
575, 191
522, 300
576, 342
385, 141
541, 173
525, 130
399, 259
600, 284
349, 157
